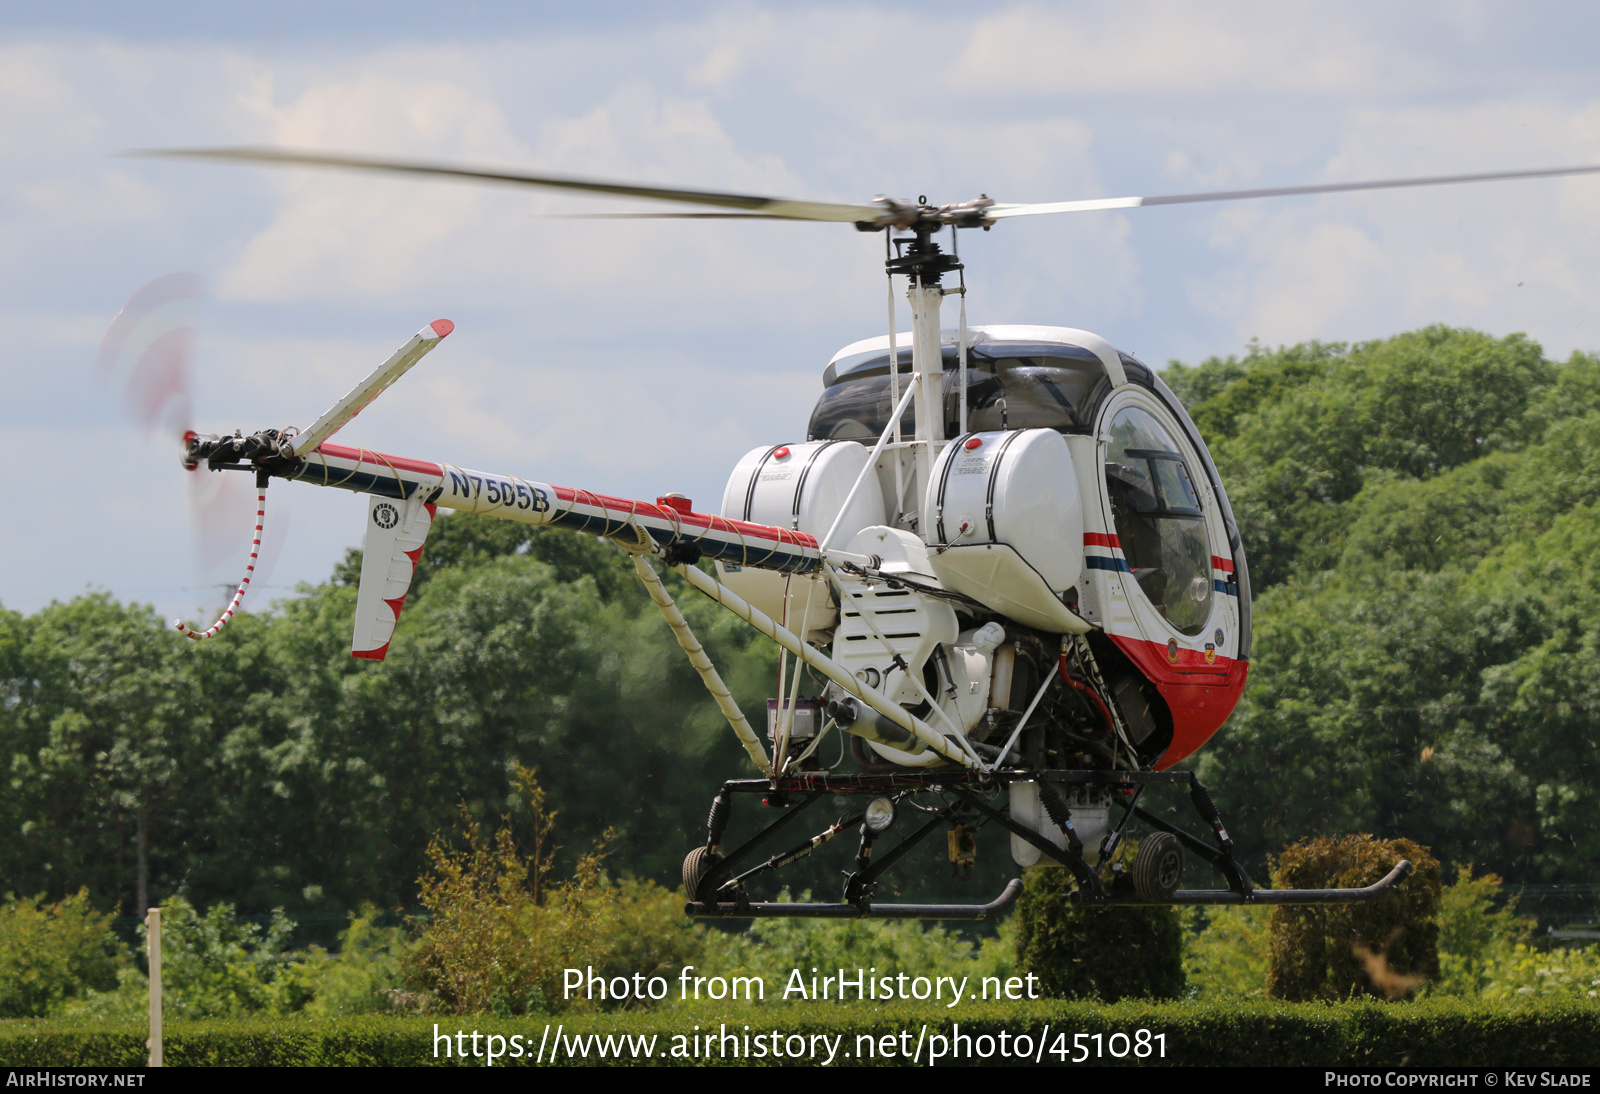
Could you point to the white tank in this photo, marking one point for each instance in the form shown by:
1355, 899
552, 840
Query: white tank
1004, 524
801, 487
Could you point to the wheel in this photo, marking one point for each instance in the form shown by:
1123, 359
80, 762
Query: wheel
696, 865
1158, 867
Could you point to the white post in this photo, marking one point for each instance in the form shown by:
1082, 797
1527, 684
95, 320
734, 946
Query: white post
152, 924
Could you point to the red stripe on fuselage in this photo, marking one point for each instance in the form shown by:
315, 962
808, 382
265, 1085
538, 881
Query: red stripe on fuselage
630, 507
1220, 563
381, 459
1100, 539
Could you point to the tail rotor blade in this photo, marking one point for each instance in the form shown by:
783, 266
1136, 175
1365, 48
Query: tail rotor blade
145, 354
220, 508
374, 385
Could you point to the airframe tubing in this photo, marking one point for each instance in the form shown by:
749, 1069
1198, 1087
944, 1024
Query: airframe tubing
822, 663
871, 466
708, 672
996, 907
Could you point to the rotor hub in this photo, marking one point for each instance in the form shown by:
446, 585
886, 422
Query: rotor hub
913, 216
920, 257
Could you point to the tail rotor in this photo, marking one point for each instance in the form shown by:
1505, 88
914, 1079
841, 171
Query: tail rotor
146, 361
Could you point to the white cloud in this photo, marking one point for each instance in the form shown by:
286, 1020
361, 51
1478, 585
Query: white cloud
42, 111
1174, 47
1363, 266
365, 238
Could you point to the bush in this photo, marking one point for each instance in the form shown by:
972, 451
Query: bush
219, 965
1386, 948
498, 935
364, 977
51, 954
1110, 953
1525, 971
1473, 934
214, 964
1226, 954
1539, 1034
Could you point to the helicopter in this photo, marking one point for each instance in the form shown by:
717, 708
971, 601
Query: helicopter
1002, 555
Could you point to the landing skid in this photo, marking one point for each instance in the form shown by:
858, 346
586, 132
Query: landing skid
717, 883
769, 910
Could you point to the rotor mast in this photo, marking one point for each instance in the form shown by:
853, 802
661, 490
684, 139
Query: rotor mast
923, 264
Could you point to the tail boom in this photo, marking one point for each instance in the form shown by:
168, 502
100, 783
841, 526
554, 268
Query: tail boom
732, 542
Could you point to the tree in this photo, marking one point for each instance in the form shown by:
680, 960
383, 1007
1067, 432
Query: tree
102, 729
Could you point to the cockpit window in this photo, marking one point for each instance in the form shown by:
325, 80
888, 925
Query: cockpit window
1009, 386
857, 407
1159, 519
1031, 391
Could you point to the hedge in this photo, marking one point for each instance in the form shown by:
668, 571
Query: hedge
1333, 951
1429, 1032
1084, 951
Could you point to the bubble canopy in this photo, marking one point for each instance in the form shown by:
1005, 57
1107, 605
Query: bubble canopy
1010, 385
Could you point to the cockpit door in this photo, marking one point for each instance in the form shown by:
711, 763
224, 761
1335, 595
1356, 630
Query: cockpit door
1166, 543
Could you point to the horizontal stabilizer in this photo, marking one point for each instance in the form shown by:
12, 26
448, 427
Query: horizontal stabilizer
340, 413
396, 531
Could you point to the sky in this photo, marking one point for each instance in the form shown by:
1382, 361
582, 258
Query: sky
637, 358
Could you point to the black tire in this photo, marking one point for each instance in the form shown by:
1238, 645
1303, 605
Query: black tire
1158, 867
696, 865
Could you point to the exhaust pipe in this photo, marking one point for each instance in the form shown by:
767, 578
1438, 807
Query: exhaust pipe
855, 717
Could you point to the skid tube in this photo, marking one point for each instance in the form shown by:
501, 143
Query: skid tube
865, 910
1401, 871
722, 894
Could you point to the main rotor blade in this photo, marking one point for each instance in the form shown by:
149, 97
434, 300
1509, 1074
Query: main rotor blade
668, 216
1000, 212
340, 413
780, 208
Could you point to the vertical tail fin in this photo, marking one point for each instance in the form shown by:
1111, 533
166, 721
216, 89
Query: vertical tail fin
396, 532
